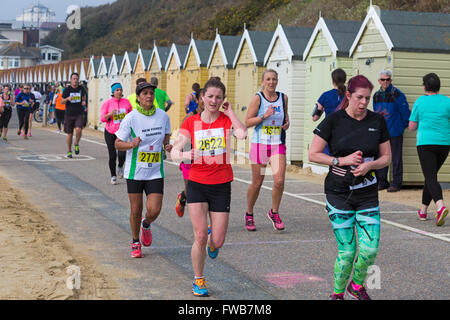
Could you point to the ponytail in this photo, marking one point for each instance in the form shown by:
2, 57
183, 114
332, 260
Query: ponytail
339, 77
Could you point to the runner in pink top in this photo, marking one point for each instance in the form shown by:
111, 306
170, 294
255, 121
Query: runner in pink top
112, 112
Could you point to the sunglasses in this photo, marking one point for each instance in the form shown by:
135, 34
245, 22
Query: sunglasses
387, 79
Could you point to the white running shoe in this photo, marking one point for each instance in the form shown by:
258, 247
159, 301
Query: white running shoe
120, 172
114, 180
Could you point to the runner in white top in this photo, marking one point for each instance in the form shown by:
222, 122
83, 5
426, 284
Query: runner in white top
148, 129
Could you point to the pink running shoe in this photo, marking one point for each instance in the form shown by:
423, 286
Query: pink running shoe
440, 216
275, 219
29, 134
249, 222
146, 235
22, 134
422, 215
136, 250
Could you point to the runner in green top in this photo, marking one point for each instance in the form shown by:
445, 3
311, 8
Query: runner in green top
161, 97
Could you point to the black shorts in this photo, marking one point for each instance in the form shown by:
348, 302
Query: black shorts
218, 196
355, 201
72, 122
149, 186
5, 117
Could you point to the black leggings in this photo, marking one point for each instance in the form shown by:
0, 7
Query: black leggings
59, 117
113, 153
432, 157
24, 117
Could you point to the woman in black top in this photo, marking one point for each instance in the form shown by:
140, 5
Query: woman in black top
355, 136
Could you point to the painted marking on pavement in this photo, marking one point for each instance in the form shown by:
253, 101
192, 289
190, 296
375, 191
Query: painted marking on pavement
287, 280
53, 157
394, 224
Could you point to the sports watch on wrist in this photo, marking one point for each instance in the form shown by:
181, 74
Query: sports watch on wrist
335, 161
262, 116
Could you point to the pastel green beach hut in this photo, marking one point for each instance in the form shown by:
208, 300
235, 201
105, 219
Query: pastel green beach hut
285, 55
176, 84
220, 62
327, 50
411, 44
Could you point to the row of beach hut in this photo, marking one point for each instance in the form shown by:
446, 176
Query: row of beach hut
411, 44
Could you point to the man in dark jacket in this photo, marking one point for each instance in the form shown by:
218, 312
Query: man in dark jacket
391, 103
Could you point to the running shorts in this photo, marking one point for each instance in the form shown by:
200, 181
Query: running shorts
72, 122
149, 186
261, 153
218, 196
5, 117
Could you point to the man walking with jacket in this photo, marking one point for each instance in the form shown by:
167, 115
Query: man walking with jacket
391, 103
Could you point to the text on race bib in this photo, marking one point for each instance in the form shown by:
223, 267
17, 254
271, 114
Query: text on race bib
271, 130
76, 97
208, 144
149, 157
119, 116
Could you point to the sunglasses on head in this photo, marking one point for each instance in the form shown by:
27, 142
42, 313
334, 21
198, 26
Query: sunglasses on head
387, 79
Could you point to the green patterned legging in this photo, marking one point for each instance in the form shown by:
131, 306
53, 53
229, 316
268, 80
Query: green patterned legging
366, 223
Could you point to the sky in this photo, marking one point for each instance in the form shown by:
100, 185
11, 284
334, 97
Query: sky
11, 11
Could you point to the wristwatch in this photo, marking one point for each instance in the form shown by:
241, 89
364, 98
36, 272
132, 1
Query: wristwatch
335, 162
262, 116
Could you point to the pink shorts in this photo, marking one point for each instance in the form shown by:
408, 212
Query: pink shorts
261, 153
185, 167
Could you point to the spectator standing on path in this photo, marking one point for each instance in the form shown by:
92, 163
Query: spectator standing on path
431, 118
391, 103
162, 100
74, 97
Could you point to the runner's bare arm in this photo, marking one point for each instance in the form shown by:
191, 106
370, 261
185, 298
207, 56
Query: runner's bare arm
124, 146
239, 129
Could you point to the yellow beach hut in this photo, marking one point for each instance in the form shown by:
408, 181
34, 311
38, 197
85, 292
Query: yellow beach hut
220, 62
176, 84
157, 64
194, 66
411, 44
140, 65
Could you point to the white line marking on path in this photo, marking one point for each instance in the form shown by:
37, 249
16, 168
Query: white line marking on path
321, 203
394, 224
